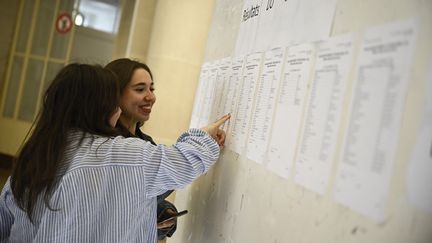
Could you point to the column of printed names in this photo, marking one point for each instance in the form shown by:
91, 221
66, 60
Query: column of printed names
199, 95
289, 108
262, 115
209, 95
247, 89
319, 134
221, 85
229, 103
380, 86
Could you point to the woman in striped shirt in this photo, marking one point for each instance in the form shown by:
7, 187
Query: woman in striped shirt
136, 102
76, 180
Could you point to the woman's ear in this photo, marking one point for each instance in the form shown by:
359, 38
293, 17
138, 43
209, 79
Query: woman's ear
114, 117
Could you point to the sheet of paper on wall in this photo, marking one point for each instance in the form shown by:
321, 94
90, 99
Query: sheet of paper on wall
316, 150
313, 21
229, 104
221, 86
289, 108
285, 12
379, 90
240, 127
420, 167
298, 22
419, 177
275, 17
262, 116
209, 95
248, 27
199, 95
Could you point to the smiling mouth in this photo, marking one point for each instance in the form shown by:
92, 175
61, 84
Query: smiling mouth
146, 109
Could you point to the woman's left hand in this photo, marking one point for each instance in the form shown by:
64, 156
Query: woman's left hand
216, 132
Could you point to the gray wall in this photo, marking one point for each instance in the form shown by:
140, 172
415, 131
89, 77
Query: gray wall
240, 201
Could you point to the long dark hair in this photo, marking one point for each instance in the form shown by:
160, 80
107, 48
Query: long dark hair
81, 97
124, 69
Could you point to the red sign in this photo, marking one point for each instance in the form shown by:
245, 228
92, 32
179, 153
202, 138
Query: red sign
64, 23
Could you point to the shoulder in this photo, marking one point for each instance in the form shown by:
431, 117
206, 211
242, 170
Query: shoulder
97, 152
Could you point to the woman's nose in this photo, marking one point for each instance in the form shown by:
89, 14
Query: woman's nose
149, 96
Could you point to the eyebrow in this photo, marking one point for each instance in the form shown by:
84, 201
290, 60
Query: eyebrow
142, 83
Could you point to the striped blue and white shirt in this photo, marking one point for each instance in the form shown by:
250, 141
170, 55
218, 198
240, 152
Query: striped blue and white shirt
109, 188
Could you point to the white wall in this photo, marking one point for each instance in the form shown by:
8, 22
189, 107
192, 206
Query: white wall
240, 201
176, 49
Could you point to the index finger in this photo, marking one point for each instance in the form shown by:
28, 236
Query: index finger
222, 120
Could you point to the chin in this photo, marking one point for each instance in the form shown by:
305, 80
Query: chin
145, 118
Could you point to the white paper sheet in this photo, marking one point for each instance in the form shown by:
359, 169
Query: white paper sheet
381, 78
199, 95
231, 100
289, 108
246, 35
272, 12
313, 21
420, 167
299, 21
287, 12
419, 176
221, 88
209, 95
316, 150
249, 81
262, 116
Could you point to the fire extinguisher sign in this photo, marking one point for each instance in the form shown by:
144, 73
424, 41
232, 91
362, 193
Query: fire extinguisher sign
64, 23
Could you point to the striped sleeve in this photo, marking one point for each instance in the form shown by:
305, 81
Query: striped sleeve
172, 167
6, 217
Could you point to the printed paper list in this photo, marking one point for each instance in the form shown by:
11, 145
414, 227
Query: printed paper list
380, 85
289, 108
316, 150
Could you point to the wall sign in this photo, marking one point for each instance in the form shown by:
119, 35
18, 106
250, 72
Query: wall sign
64, 23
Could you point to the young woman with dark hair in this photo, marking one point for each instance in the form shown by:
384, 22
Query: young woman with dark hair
76, 180
136, 101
